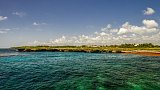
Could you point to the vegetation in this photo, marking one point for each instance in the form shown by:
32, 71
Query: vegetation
145, 45
92, 48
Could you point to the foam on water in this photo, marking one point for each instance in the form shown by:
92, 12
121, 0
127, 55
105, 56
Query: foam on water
9, 54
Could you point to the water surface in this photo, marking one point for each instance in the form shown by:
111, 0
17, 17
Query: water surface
77, 71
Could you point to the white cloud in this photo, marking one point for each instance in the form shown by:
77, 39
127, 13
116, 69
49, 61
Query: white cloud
149, 11
150, 23
3, 18
20, 14
122, 31
37, 24
4, 31
127, 33
150, 26
109, 26
113, 31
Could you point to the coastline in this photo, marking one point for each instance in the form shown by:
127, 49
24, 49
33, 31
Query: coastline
143, 52
138, 51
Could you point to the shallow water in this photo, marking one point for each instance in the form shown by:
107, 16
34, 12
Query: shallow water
78, 71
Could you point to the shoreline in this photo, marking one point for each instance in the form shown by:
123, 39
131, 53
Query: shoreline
143, 52
138, 52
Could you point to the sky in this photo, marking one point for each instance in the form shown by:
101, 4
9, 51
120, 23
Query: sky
78, 22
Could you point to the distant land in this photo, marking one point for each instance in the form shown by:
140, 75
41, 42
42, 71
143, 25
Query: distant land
147, 49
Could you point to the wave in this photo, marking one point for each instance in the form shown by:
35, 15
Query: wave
8, 54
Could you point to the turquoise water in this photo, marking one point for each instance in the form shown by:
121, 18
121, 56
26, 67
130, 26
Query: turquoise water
77, 71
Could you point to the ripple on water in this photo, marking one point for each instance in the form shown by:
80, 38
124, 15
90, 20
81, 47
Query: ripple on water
79, 71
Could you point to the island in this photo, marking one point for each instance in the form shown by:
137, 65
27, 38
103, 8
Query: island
147, 49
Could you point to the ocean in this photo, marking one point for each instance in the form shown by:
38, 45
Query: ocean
78, 71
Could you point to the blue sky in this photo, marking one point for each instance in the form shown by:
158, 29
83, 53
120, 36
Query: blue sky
25, 22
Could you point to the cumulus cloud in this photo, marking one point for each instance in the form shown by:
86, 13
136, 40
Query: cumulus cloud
4, 31
122, 31
149, 11
127, 33
150, 23
37, 24
150, 26
20, 14
3, 18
